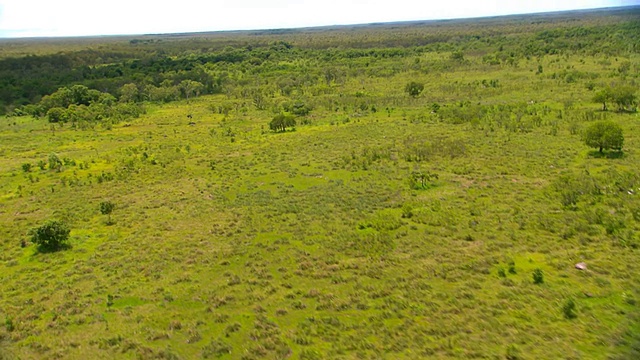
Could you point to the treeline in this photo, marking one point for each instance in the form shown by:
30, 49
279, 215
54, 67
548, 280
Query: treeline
177, 67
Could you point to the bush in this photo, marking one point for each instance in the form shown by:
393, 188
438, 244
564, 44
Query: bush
538, 276
51, 236
106, 207
414, 88
569, 309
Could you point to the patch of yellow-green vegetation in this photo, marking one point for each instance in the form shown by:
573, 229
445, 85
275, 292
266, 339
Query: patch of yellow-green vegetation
382, 226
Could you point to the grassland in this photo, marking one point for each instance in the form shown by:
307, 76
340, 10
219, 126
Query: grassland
232, 241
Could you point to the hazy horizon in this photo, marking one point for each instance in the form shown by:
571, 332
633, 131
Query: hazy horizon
68, 18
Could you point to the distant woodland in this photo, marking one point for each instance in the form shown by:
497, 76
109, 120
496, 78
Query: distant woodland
164, 68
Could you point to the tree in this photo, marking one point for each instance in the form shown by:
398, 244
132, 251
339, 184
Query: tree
414, 88
129, 93
57, 114
281, 122
106, 208
603, 96
604, 135
625, 98
51, 236
191, 88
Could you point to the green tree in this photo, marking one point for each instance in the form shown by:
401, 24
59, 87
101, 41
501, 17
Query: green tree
414, 88
603, 96
129, 93
604, 135
191, 88
106, 208
50, 236
281, 122
625, 98
57, 114
538, 276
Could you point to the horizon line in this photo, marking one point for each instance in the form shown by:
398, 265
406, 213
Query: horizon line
311, 27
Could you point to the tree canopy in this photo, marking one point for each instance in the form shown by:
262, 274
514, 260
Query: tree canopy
414, 88
623, 96
50, 236
604, 135
281, 122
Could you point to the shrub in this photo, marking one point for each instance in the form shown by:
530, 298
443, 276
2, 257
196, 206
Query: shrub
50, 236
106, 207
414, 88
54, 162
538, 276
422, 180
569, 309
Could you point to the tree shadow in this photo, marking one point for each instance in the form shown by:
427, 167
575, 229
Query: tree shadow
51, 249
607, 154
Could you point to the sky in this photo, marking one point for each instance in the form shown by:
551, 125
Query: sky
52, 18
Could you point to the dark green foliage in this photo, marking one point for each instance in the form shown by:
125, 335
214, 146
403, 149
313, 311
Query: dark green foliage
298, 108
604, 135
26, 167
51, 236
414, 89
8, 324
281, 122
106, 207
569, 309
538, 276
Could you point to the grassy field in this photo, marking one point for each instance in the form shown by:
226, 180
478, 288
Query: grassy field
231, 241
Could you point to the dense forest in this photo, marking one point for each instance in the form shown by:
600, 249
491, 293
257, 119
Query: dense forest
460, 189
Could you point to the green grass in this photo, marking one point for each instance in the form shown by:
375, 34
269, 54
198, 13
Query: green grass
294, 244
